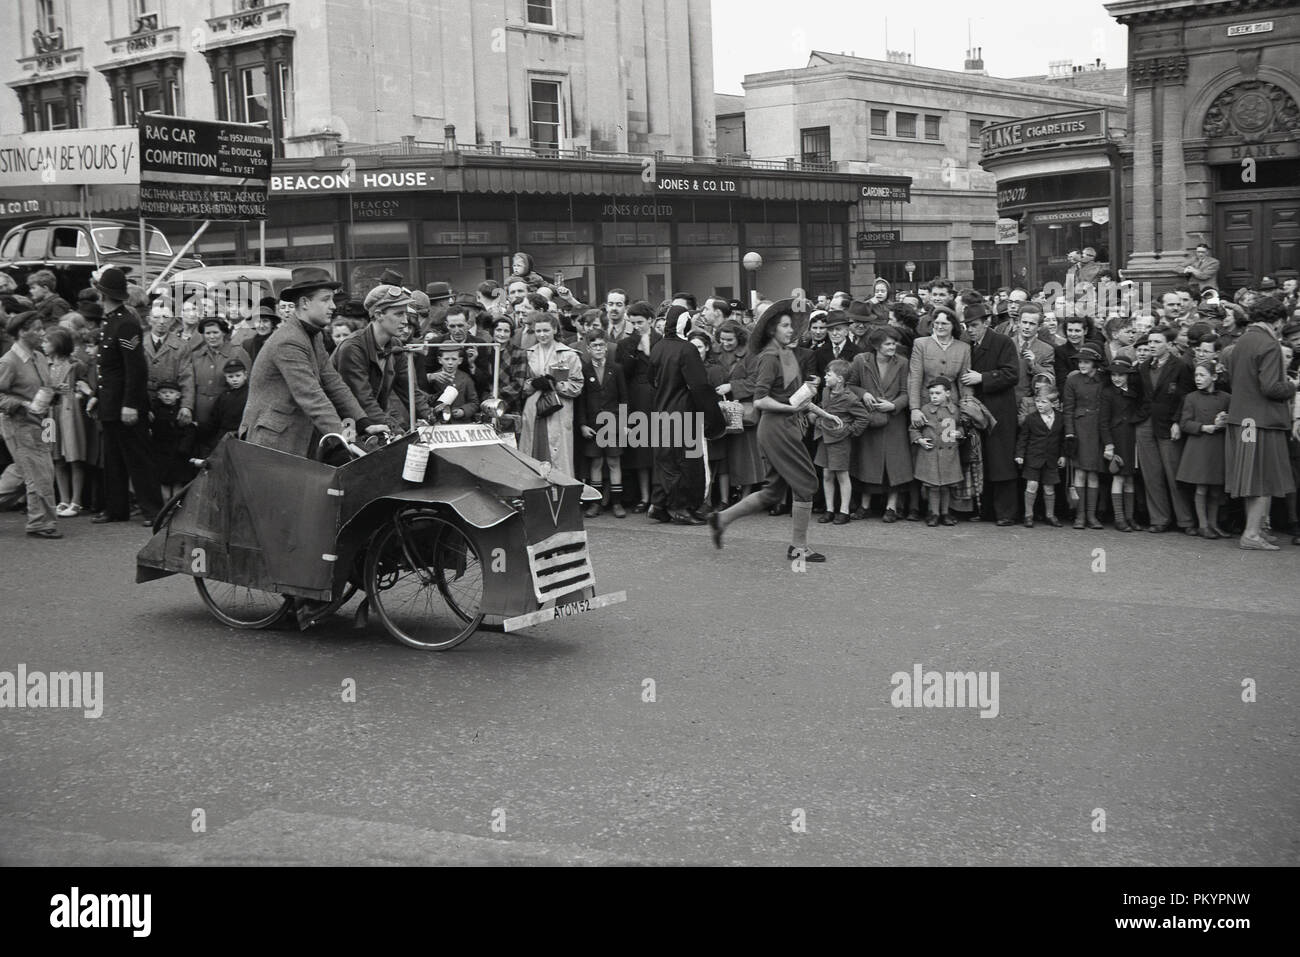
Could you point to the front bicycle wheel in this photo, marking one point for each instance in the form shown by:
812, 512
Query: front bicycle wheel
425, 580
238, 606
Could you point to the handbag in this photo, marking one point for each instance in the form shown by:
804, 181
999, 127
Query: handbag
548, 403
749, 414
734, 414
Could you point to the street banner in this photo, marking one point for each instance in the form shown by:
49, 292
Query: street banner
70, 158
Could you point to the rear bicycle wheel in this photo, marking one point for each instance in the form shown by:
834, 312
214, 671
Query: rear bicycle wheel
424, 578
238, 606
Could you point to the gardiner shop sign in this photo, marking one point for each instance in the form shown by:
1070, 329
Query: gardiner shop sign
1042, 131
70, 158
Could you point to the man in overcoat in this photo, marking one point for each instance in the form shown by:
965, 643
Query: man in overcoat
294, 391
995, 371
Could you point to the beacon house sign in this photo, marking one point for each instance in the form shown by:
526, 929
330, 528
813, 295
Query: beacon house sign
1042, 131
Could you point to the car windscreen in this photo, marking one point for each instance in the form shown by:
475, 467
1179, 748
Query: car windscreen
123, 239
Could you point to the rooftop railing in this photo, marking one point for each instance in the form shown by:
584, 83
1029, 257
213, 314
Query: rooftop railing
410, 146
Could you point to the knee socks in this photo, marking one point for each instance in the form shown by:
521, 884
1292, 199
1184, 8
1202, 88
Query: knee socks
801, 513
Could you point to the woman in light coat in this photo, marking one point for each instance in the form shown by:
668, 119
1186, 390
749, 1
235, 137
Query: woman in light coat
552, 367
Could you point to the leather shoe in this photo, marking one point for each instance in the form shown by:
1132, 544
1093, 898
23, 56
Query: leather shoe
826, 518
46, 533
1157, 529
640, 507
619, 510
657, 514
1190, 530
1004, 522
913, 516
947, 519
1053, 521
932, 521
592, 510
890, 516
858, 514
1029, 523
684, 518
104, 519
841, 518
1255, 544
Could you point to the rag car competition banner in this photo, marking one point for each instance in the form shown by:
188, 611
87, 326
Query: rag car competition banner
195, 169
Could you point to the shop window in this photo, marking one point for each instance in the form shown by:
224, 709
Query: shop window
45, 16
544, 113
905, 125
931, 260
379, 240
931, 127
296, 245
879, 122
988, 265
816, 145
772, 234
541, 13
823, 242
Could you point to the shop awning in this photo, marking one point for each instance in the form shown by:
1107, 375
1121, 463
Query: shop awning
42, 201
560, 182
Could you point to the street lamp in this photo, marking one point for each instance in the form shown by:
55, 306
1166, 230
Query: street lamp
911, 268
752, 261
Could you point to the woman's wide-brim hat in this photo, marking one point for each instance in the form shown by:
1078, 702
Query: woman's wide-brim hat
766, 323
306, 280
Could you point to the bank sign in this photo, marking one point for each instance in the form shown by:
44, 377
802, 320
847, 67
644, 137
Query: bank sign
1042, 131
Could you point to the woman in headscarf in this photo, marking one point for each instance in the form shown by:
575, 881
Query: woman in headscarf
781, 428
552, 368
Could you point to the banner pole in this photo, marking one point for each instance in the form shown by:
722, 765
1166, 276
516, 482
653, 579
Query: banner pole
144, 257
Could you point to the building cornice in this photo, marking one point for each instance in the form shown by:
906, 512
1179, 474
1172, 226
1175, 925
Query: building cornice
1136, 12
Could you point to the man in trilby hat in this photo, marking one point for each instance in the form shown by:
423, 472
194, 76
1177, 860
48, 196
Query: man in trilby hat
294, 391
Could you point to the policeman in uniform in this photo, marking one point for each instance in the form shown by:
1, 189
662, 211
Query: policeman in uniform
124, 406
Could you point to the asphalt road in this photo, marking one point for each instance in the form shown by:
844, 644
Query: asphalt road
1119, 691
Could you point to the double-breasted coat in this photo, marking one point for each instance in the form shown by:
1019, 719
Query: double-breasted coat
1081, 405
550, 439
881, 455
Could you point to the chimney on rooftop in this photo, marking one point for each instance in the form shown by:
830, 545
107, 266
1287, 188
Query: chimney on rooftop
975, 61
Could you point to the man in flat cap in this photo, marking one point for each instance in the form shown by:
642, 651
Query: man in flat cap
294, 394
376, 376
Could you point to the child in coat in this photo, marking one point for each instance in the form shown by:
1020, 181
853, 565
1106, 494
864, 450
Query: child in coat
227, 411
1040, 453
1121, 411
602, 444
172, 444
937, 461
1202, 422
834, 444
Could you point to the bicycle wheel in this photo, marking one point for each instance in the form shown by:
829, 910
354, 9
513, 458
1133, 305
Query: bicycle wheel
425, 580
237, 606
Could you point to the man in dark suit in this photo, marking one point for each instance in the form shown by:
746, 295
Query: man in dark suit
294, 390
124, 407
837, 345
1163, 382
995, 370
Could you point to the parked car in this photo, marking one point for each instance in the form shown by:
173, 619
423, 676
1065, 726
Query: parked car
229, 286
73, 249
